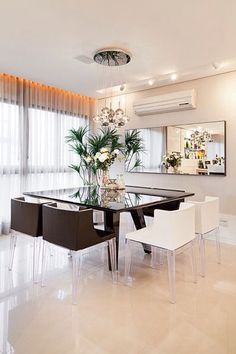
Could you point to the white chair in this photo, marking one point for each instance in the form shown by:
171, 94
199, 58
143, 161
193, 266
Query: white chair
206, 221
170, 231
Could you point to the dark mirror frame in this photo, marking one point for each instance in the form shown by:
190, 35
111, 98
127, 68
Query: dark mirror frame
180, 173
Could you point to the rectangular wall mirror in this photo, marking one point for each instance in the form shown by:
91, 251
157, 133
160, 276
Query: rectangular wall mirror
193, 149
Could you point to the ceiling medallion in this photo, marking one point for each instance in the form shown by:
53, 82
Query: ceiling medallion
111, 57
110, 116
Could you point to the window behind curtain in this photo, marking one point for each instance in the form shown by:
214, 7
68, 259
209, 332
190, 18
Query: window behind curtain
48, 150
33, 151
35, 141
9, 160
9, 138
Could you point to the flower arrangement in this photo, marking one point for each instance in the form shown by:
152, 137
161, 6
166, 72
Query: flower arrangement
173, 160
96, 152
219, 160
104, 158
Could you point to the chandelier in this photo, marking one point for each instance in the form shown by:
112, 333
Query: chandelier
201, 137
109, 115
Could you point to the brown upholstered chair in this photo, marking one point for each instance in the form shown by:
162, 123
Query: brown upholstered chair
74, 230
26, 217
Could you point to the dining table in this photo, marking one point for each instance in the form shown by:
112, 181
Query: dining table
139, 201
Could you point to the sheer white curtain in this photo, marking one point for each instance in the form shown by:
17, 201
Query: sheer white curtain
49, 157
34, 121
154, 141
9, 159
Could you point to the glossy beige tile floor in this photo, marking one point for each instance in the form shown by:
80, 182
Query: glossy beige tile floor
117, 318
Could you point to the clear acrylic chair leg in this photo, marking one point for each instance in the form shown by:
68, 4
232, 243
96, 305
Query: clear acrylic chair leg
13, 239
202, 255
51, 250
35, 246
103, 254
161, 256
171, 273
193, 261
128, 260
112, 250
44, 262
154, 257
76, 274
36, 258
218, 248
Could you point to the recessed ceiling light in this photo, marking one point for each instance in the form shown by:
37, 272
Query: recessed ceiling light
122, 88
173, 77
101, 91
215, 66
151, 82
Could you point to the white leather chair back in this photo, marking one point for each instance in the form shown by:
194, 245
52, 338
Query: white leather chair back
207, 215
175, 228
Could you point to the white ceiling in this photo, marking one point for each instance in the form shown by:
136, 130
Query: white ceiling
40, 39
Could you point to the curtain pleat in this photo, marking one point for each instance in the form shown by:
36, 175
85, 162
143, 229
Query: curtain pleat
59, 100
34, 121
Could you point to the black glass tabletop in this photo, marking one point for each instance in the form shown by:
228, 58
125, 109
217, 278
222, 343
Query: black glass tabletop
115, 200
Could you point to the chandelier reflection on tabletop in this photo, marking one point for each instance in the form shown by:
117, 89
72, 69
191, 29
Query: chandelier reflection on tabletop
113, 190
112, 196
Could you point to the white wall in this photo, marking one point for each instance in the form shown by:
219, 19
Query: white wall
216, 100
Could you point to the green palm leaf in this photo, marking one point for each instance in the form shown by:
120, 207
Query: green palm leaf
78, 135
133, 147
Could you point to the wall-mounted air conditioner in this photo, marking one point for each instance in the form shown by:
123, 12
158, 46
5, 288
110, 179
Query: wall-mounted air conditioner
175, 101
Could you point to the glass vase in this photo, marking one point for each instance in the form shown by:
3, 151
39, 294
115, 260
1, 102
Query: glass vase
88, 177
103, 178
175, 169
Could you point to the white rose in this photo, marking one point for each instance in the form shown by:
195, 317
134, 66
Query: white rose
116, 152
102, 150
98, 154
103, 157
88, 159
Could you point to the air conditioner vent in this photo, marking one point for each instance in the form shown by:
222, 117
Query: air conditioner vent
175, 101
